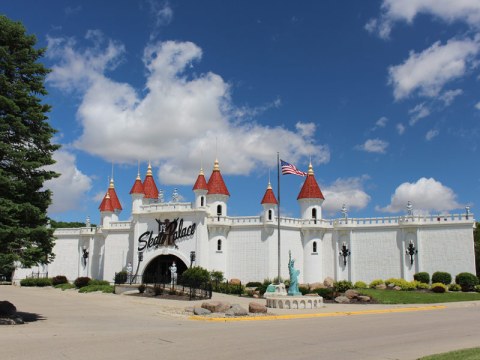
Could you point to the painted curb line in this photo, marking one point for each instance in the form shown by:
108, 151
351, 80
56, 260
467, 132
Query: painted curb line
309, 316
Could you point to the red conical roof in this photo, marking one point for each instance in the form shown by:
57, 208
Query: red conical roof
113, 198
201, 183
216, 185
310, 188
106, 204
137, 187
149, 187
269, 197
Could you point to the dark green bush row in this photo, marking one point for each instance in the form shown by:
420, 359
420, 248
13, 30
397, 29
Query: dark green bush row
81, 282
59, 279
423, 277
121, 277
92, 288
467, 281
441, 277
36, 282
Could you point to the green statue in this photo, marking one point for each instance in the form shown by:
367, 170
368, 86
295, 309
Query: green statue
293, 289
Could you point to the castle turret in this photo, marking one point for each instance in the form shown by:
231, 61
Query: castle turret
200, 189
137, 193
217, 195
269, 204
310, 197
110, 205
149, 187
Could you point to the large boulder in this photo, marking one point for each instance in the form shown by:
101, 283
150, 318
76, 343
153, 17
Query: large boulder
342, 300
234, 282
201, 311
328, 282
256, 308
381, 287
216, 306
351, 294
317, 285
7, 309
363, 298
236, 310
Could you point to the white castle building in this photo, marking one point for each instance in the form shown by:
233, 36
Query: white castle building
246, 248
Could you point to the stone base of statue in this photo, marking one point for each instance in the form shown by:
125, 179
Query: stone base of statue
275, 290
295, 302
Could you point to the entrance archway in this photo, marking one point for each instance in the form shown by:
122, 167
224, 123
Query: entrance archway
158, 269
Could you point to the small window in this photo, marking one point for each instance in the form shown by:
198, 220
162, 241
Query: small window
219, 245
202, 201
270, 214
219, 210
314, 247
314, 213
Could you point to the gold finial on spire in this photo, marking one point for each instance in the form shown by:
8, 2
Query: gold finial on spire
310, 169
269, 185
215, 166
149, 169
111, 186
201, 172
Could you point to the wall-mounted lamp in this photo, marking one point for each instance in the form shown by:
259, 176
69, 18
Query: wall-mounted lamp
345, 252
140, 256
192, 257
85, 254
411, 251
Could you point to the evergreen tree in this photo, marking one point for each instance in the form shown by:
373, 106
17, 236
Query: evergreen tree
25, 148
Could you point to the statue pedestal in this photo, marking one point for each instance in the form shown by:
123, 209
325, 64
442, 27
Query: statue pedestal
294, 302
275, 290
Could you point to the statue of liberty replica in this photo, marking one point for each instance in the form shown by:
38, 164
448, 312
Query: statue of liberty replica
293, 289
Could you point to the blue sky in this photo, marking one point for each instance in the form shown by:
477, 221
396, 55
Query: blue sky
382, 96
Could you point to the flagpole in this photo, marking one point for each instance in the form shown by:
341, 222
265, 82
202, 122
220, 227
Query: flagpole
278, 213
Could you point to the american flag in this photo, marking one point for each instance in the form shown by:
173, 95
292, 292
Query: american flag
291, 169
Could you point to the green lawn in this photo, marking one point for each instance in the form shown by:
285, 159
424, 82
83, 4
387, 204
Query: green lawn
416, 297
467, 354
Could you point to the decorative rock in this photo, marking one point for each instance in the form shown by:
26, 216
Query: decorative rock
381, 287
201, 311
216, 306
342, 300
363, 298
390, 286
397, 288
7, 321
189, 309
256, 308
235, 282
351, 294
328, 282
236, 310
7, 309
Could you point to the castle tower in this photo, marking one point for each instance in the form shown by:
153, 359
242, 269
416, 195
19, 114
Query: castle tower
217, 195
149, 187
200, 189
269, 204
137, 193
310, 197
110, 205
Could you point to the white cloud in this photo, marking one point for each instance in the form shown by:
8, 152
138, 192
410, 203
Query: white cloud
431, 134
347, 191
161, 11
449, 96
426, 195
305, 129
176, 121
373, 146
427, 72
380, 123
70, 188
418, 112
477, 106
392, 11
400, 128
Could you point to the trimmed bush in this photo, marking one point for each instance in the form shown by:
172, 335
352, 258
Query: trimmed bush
422, 277
98, 282
467, 281
342, 285
360, 285
254, 284
438, 288
477, 288
420, 285
376, 282
326, 293
141, 288
121, 277
216, 276
81, 282
59, 279
454, 287
36, 282
402, 283
441, 277
195, 276
65, 286
92, 288
304, 290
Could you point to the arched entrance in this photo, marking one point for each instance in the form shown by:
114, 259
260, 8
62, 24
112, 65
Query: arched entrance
158, 269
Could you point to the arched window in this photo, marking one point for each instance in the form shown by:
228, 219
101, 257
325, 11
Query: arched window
314, 213
314, 247
270, 212
219, 210
219, 245
202, 201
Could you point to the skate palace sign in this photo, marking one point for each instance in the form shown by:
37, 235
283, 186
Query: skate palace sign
168, 233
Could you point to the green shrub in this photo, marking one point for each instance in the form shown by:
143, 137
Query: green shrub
438, 288
195, 276
81, 282
342, 285
36, 282
420, 285
477, 288
360, 285
92, 288
423, 277
216, 276
227, 288
441, 277
254, 284
467, 281
402, 283
141, 288
59, 279
65, 286
376, 282
326, 293
304, 289
454, 287
98, 282
121, 277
